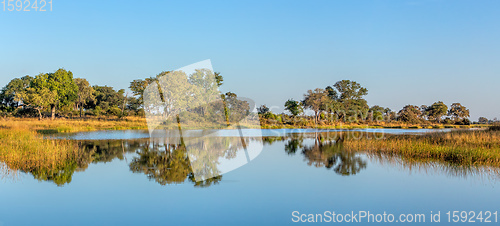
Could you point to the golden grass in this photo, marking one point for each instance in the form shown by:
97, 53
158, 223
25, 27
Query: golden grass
461, 147
74, 125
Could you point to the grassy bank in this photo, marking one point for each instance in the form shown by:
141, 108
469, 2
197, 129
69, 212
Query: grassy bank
460, 147
74, 125
25, 150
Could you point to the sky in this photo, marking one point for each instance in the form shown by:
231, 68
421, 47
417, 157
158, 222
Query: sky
404, 52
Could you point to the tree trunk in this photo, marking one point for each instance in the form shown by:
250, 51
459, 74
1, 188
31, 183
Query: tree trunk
53, 110
39, 114
81, 109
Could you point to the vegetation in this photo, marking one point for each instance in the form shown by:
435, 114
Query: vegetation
52, 160
458, 147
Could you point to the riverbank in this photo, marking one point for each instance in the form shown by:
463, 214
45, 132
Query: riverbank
48, 126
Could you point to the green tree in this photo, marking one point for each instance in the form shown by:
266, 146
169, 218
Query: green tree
107, 98
85, 93
349, 96
138, 86
61, 81
458, 112
436, 111
8, 93
316, 101
377, 112
37, 99
410, 114
293, 107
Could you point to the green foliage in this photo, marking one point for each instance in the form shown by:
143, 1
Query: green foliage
410, 114
8, 93
62, 83
293, 107
85, 93
262, 110
436, 111
37, 99
458, 112
316, 101
106, 98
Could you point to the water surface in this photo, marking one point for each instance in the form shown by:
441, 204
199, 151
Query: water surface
130, 180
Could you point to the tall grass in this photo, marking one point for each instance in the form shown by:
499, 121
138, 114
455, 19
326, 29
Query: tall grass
74, 125
461, 147
24, 150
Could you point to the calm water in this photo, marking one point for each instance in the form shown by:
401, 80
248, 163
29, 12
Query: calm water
128, 179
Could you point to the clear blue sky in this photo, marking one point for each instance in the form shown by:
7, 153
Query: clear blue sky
405, 52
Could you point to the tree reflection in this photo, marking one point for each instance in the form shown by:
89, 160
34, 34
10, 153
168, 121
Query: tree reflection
327, 152
170, 166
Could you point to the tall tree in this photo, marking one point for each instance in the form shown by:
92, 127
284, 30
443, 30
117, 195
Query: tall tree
458, 112
316, 101
350, 96
85, 93
61, 81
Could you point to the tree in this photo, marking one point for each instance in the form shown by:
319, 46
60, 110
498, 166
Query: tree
219, 79
107, 98
61, 81
377, 112
409, 114
37, 99
349, 95
293, 107
458, 112
263, 109
436, 111
483, 120
138, 86
8, 93
85, 93
317, 101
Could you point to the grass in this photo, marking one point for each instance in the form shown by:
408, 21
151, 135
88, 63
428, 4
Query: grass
460, 147
27, 151
74, 125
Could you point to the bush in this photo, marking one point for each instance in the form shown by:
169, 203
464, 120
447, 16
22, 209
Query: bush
114, 111
97, 111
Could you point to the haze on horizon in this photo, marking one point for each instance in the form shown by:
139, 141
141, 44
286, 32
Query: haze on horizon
404, 52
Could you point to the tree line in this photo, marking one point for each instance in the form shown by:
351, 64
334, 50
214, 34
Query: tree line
344, 102
59, 94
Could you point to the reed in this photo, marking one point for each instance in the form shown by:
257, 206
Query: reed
461, 147
24, 150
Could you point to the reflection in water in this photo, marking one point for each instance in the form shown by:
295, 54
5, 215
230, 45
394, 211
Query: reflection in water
167, 164
327, 152
434, 167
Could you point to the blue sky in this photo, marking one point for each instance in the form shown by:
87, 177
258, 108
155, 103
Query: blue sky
405, 52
